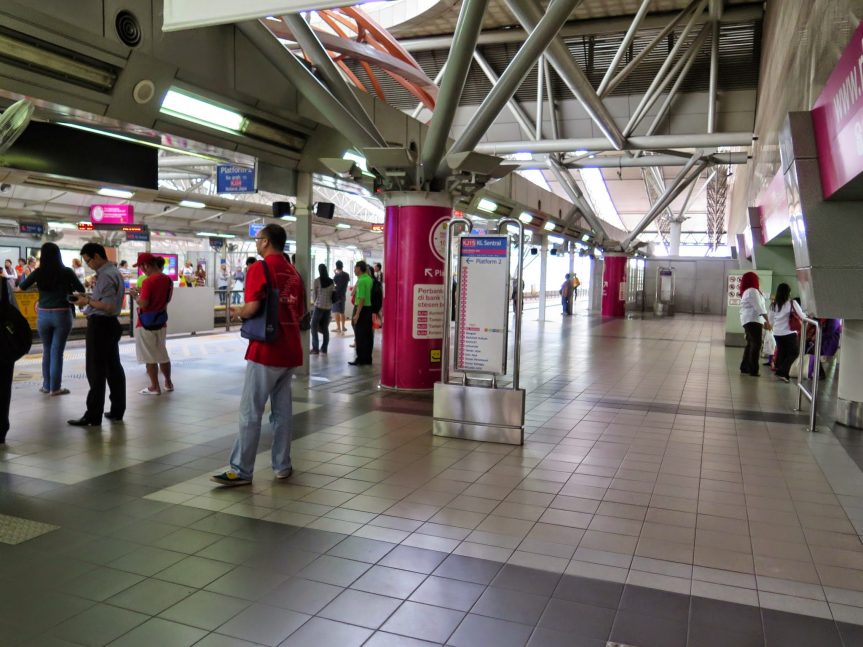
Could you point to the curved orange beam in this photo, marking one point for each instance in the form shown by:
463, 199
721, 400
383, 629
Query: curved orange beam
375, 83
393, 46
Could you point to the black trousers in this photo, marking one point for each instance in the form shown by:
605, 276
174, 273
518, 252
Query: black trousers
787, 349
6, 372
753, 348
364, 336
103, 366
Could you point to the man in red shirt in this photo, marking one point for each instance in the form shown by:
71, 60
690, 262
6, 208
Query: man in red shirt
268, 364
152, 322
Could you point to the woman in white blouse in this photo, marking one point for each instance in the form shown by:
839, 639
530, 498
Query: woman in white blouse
752, 313
783, 309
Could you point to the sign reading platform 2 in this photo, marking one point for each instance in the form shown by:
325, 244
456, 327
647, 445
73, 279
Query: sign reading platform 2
483, 298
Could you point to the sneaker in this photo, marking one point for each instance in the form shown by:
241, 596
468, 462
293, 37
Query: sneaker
286, 474
229, 478
784, 379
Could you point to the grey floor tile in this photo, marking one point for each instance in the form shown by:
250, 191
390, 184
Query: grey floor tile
334, 570
205, 610
180, 515
100, 584
248, 583
160, 632
186, 540
444, 592
360, 608
305, 596
672, 606
542, 637
578, 619
782, 628
147, 561
506, 604
361, 549
529, 580
423, 621
263, 624
150, 596
645, 630
282, 559
98, 625
469, 569
383, 639
194, 571
318, 632
586, 590
230, 549
218, 640
395, 582
319, 541
409, 558
479, 631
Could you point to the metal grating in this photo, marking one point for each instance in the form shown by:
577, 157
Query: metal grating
739, 58
15, 530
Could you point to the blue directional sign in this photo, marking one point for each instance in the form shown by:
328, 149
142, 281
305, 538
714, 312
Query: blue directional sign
255, 228
31, 228
235, 179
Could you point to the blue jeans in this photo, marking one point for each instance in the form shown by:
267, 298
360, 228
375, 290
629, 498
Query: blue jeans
320, 323
54, 327
263, 383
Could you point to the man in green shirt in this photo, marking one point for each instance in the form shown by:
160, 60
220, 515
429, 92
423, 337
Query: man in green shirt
364, 336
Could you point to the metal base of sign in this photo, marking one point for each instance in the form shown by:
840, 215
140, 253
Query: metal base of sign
398, 389
849, 413
479, 413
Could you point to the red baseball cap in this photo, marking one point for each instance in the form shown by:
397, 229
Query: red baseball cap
145, 258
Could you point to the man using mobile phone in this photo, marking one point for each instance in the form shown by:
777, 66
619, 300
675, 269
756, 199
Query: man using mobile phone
103, 337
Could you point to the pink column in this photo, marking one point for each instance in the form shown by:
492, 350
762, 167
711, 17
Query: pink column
614, 285
414, 246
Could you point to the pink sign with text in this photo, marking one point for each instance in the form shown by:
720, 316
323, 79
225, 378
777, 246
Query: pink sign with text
838, 119
112, 214
773, 209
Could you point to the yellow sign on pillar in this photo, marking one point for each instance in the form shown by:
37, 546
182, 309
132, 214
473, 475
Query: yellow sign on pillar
27, 305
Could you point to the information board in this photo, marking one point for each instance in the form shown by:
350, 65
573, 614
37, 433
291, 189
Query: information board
428, 312
235, 179
254, 228
483, 301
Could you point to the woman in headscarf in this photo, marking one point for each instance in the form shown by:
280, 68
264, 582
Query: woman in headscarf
753, 318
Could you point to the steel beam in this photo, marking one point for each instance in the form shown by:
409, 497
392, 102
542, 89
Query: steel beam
517, 111
734, 14
307, 84
624, 45
464, 43
530, 14
599, 144
669, 65
659, 38
647, 161
325, 66
714, 78
687, 174
544, 33
540, 95
552, 111
416, 112
569, 185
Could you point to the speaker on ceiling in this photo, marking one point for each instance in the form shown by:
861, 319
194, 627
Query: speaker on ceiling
534, 251
281, 209
325, 210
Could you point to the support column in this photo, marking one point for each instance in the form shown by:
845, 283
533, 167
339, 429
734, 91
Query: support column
414, 251
543, 277
674, 238
849, 406
571, 272
614, 285
303, 235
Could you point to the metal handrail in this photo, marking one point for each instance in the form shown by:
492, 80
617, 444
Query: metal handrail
812, 395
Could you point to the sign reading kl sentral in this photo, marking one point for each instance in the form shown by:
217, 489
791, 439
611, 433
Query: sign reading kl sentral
483, 298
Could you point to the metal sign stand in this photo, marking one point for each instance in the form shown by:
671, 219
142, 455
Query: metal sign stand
476, 408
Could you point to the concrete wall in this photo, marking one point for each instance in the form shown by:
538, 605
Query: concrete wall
780, 259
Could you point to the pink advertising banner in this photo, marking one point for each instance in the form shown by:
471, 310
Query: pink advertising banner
773, 209
112, 214
838, 119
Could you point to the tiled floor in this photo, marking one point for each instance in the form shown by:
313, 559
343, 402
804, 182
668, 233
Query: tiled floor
660, 499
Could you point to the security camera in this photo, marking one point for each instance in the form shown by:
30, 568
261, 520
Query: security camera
5, 187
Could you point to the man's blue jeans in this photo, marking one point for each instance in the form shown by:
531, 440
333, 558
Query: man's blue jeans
54, 327
264, 383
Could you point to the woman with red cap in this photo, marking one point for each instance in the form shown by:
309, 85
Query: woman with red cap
752, 314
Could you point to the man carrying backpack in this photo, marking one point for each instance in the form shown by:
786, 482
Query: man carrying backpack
269, 362
15, 340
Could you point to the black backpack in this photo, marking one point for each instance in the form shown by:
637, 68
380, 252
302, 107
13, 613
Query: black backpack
15, 334
377, 296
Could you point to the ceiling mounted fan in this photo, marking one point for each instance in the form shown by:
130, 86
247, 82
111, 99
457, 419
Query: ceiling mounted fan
14, 121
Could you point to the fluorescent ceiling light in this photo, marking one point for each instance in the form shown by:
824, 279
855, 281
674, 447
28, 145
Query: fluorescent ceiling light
487, 205
135, 140
512, 229
525, 217
342, 225
549, 226
586, 237
213, 234
62, 225
191, 204
556, 240
115, 193
289, 218
185, 106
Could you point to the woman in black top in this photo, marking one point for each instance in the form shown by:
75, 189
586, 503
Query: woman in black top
55, 282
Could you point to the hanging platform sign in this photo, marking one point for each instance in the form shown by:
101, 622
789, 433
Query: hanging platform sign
235, 179
483, 300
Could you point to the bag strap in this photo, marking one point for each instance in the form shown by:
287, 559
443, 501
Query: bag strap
267, 275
